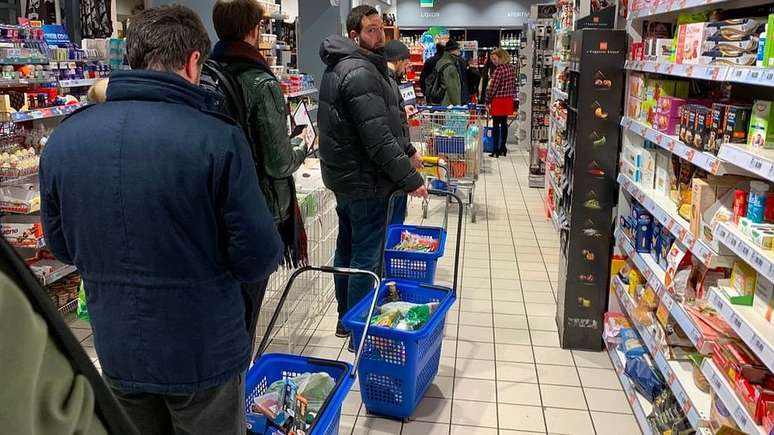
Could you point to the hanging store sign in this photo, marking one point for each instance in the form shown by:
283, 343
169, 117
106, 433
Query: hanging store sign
425, 3
55, 34
463, 13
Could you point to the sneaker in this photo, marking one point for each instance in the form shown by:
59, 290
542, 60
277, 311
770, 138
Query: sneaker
351, 345
341, 330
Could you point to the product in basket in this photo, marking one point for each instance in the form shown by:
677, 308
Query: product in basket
415, 242
404, 316
292, 404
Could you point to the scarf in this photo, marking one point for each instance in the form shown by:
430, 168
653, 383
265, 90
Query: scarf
291, 230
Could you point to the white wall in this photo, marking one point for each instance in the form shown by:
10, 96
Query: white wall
385, 7
290, 7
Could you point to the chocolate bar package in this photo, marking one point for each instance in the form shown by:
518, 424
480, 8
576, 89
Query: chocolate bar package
737, 120
716, 131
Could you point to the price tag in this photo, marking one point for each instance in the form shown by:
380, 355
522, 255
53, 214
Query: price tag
771, 271
736, 321
754, 75
741, 417
745, 250
696, 337
671, 378
670, 68
714, 166
707, 256
716, 382
757, 344
718, 302
689, 154
758, 260
669, 302
689, 71
671, 145
681, 234
756, 163
737, 74
768, 78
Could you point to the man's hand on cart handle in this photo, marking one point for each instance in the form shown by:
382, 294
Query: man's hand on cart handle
420, 193
417, 160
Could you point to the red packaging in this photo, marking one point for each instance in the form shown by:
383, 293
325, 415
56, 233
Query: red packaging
740, 204
638, 50
768, 418
754, 397
735, 361
768, 211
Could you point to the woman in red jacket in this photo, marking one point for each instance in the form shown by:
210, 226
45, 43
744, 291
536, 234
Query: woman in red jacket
500, 94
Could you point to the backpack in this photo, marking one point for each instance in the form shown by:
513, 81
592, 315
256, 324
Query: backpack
220, 80
436, 88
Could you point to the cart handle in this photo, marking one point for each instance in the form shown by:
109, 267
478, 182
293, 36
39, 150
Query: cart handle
334, 271
437, 108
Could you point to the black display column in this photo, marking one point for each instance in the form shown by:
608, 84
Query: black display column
595, 106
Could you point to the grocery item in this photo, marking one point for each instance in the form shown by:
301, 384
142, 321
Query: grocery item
743, 283
631, 345
720, 417
415, 242
644, 377
763, 301
404, 316
768, 51
761, 132
698, 377
756, 201
392, 292
740, 205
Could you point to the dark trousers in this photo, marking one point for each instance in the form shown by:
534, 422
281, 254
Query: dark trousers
500, 135
217, 410
253, 294
359, 245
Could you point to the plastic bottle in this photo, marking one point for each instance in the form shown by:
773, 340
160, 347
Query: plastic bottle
761, 46
756, 201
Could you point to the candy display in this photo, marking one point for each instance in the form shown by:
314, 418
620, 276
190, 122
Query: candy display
415, 242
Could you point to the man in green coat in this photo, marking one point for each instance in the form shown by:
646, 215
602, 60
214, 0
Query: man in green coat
278, 157
446, 68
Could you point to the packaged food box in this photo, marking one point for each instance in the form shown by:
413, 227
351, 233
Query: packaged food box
754, 397
634, 108
690, 39
743, 282
763, 302
736, 123
735, 361
716, 133
705, 192
666, 124
733, 30
655, 244
670, 106
22, 231
768, 48
746, 45
664, 173
761, 131
747, 59
630, 171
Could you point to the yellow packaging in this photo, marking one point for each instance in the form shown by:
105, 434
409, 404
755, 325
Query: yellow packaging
743, 282
635, 279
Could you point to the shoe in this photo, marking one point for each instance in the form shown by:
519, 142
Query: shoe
341, 330
492, 155
351, 345
505, 152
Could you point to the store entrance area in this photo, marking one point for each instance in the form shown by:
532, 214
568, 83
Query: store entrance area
502, 370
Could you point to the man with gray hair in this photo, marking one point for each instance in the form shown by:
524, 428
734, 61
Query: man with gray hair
155, 199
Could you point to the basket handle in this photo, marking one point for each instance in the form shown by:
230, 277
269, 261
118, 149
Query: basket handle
459, 233
334, 271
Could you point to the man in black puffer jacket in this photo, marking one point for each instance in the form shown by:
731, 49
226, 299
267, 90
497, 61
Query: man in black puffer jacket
363, 161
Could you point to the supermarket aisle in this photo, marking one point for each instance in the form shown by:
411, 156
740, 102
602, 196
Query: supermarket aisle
502, 371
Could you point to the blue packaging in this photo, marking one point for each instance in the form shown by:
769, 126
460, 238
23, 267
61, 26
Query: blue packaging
667, 239
644, 233
655, 244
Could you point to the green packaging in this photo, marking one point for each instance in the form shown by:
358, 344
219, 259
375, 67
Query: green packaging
761, 131
768, 49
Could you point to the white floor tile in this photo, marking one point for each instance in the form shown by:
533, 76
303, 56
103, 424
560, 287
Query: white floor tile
475, 369
560, 396
570, 422
521, 417
475, 389
518, 393
424, 428
557, 375
469, 413
599, 378
554, 356
606, 423
433, 410
607, 400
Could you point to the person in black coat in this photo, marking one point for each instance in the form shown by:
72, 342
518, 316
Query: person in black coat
474, 79
363, 159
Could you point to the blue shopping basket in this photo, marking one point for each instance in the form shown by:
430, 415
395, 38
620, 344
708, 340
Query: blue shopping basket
397, 366
411, 265
270, 368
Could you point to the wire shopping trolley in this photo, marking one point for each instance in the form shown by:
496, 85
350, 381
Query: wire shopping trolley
397, 365
454, 134
270, 368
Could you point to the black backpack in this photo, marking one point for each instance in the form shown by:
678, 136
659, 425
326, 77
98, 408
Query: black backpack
436, 88
220, 80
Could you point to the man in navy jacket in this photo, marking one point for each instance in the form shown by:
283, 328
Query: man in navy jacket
156, 201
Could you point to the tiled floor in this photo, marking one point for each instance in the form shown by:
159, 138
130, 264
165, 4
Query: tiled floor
502, 371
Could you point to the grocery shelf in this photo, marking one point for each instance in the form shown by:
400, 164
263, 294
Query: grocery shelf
748, 324
561, 64
737, 74
554, 183
555, 155
49, 112
77, 83
728, 397
656, 278
555, 221
559, 123
706, 161
758, 162
303, 93
761, 260
559, 94
24, 82
23, 61
679, 374
640, 406
665, 212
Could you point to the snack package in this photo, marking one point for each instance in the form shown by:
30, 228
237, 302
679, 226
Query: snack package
415, 242
631, 345
645, 379
761, 132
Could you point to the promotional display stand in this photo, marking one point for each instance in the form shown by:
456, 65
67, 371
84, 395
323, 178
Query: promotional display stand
595, 102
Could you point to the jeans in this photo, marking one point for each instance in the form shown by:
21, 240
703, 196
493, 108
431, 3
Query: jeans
359, 246
500, 135
217, 410
399, 206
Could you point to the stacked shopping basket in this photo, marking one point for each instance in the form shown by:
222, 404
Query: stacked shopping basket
397, 366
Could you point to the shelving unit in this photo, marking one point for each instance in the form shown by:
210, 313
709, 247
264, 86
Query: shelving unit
719, 73
656, 278
641, 407
761, 260
748, 324
679, 374
728, 397
665, 212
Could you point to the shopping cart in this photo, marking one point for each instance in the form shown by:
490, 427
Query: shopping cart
454, 134
398, 366
436, 173
270, 368
412, 265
